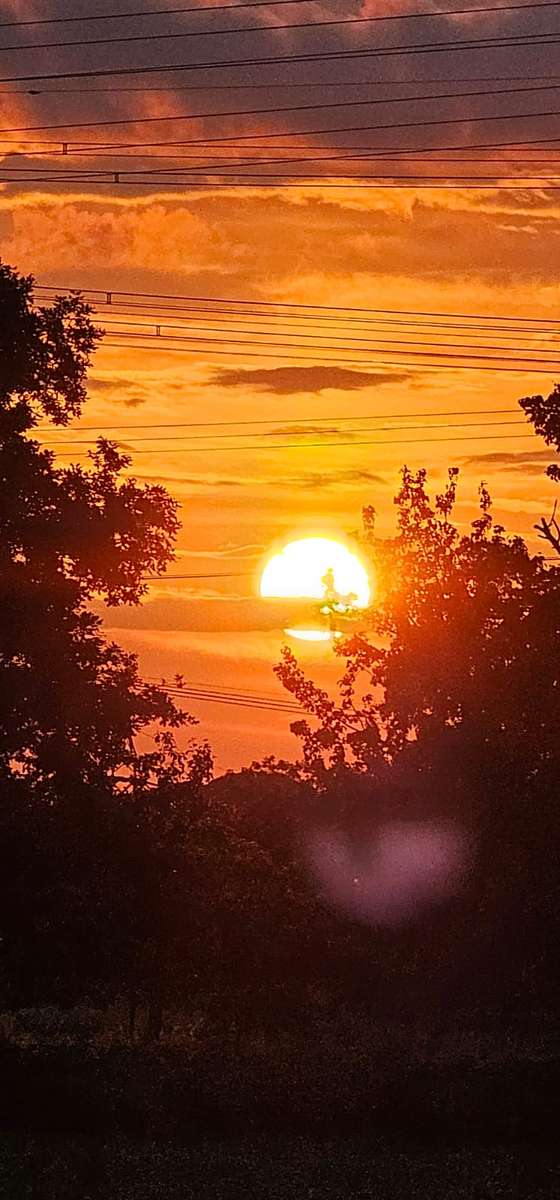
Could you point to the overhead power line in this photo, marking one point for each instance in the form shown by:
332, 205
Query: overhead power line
239, 700
194, 185
151, 12
370, 348
271, 30
333, 335
251, 112
310, 85
186, 439
422, 124
398, 442
508, 353
374, 153
548, 38
271, 321
315, 359
293, 305
466, 412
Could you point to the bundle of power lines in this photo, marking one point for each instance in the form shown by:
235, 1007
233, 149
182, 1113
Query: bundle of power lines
244, 161
214, 328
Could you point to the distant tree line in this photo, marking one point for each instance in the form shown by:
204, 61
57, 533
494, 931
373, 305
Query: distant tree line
405, 862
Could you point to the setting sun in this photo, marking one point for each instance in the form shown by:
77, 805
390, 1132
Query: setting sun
317, 568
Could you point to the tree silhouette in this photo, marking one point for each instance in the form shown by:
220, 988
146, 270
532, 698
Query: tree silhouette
447, 708
544, 415
72, 703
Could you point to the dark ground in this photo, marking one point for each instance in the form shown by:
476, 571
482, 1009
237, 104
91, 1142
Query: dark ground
275, 1119
272, 1168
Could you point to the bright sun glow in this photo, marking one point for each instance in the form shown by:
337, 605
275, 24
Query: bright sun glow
299, 570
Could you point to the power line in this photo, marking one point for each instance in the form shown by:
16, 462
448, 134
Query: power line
290, 433
377, 346
314, 359
216, 697
423, 124
501, 181
222, 688
519, 40
375, 153
250, 112
322, 321
471, 437
505, 332
273, 29
271, 320
186, 329
154, 12
467, 412
203, 342
297, 306
255, 87
236, 184
206, 176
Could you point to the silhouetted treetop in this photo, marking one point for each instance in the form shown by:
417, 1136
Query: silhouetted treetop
544, 414
458, 625
44, 354
71, 703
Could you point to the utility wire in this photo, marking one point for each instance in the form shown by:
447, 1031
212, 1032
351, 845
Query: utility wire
377, 346
222, 687
323, 321
153, 12
314, 359
235, 184
326, 84
185, 329
548, 38
423, 124
467, 412
290, 433
425, 14
500, 180
250, 112
234, 701
398, 442
273, 321
291, 305
269, 322
375, 153
204, 342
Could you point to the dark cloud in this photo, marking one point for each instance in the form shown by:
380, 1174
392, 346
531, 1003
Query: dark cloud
530, 462
294, 429
285, 381
321, 479
130, 394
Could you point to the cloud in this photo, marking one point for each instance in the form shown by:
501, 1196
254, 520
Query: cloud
323, 479
530, 462
287, 381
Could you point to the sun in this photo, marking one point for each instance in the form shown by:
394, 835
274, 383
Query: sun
317, 568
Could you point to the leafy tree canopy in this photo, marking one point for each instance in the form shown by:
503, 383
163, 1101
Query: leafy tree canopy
71, 703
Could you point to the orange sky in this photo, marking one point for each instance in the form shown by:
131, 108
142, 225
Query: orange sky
458, 251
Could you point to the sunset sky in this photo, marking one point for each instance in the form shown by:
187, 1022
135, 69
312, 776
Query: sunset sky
489, 249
